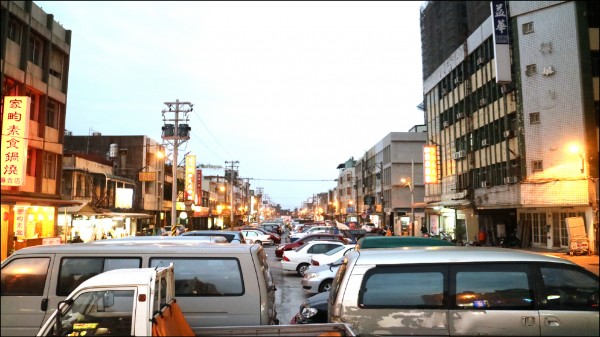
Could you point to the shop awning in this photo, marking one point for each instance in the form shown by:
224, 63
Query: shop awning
129, 215
37, 201
84, 209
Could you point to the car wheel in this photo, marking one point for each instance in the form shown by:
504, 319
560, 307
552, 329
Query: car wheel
325, 286
302, 268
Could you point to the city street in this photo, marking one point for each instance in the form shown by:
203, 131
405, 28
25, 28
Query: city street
290, 295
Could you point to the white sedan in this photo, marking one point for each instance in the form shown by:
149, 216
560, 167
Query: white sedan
332, 255
254, 236
298, 260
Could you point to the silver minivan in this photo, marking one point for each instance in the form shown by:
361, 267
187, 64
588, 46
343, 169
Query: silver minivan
457, 291
216, 284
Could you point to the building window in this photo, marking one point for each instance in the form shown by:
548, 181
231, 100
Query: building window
14, 31
57, 60
35, 50
49, 165
527, 28
530, 70
52, 113
537, 166
534, 118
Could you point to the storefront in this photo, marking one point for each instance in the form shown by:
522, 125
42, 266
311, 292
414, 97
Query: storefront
89, 224
29, 222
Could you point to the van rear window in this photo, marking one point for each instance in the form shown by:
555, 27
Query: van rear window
205, 276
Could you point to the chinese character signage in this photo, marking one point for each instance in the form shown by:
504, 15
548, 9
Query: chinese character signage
501, 41
430, 166
190, 178
15, 124
20, 218
198, 200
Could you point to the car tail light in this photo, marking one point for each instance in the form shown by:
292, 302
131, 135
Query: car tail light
285, 258
314, 263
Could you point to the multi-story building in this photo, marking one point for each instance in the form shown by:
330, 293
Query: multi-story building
89, 179
386, 184
34, 57
137, 168
509, 87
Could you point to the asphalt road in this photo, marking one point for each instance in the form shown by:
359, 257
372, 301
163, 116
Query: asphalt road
289, 294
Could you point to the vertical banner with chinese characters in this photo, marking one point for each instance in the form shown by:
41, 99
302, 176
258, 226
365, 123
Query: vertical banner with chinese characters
198, 200
190, 178
20, 220
430, 166
15, 130
501, 41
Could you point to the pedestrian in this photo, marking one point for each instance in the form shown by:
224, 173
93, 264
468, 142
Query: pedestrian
77, 239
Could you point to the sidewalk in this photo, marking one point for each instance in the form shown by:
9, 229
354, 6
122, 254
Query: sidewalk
589, 262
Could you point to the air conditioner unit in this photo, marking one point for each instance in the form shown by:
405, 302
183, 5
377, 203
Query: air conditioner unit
484, 142
482, 102
458, 80
460, 115
548, 71
444, 91
485, 184
508, 133
510, 180
479, 61
456, 156
446, 124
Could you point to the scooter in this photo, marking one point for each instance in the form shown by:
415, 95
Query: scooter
510, 241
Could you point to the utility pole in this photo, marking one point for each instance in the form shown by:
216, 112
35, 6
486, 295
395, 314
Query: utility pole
176, 131
231, 178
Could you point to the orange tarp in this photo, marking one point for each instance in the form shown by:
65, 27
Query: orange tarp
171, 322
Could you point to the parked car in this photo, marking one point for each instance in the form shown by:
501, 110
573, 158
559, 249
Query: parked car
298, 260
272, 227
312, 230
320, 236
312, 310
231, 236
255, 236
317, 279
36, 279
274, 236
320, 278
332, 255
469, 290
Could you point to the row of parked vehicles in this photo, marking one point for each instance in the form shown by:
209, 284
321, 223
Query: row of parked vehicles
426, 286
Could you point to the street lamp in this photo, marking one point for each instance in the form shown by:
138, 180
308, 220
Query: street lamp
410, 183
574, 148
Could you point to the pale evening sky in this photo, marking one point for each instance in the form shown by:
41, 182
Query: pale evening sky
289, 89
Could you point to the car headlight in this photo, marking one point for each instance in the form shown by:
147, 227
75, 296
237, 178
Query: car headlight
308, 312
310, 275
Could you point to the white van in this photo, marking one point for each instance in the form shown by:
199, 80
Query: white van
216, 284
463, 291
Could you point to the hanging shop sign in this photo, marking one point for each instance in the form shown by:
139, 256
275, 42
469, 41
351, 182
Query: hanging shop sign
15, 131
190, 178
430, 166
